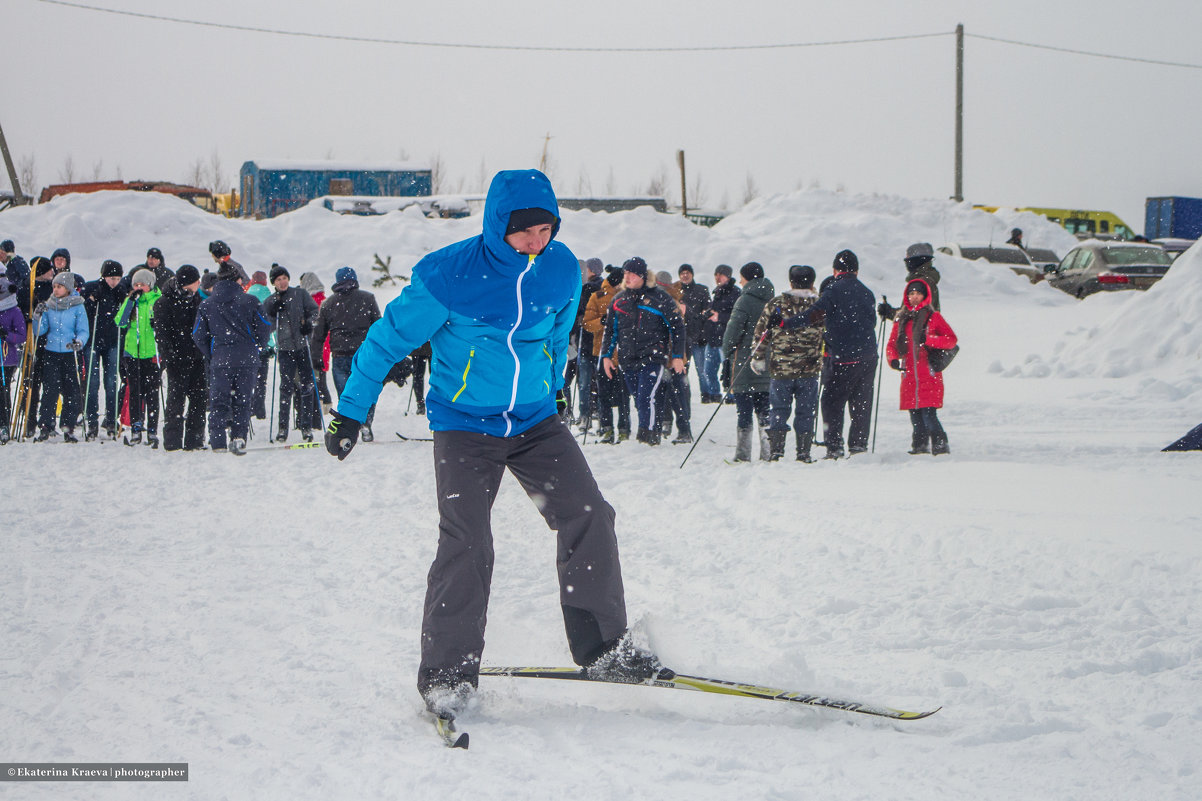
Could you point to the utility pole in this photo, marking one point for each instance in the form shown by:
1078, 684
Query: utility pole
958, 196
684, 201
19, 198
542, 163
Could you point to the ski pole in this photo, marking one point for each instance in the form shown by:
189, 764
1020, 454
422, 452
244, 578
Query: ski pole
725, 397
321, 418
275, 368
880, 363
79, 387
91, 365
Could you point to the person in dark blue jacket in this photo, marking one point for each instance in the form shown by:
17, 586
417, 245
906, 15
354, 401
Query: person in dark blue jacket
848, 309
230, 332
102, 298
497, 310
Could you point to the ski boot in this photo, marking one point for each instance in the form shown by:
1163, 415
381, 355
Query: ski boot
624, 661
421, 408
237, 446
282, 436
92, 433
307, 434
152, 439
683, 436
4, 435
606, 436
623, 434
44, 435
69, 435
365, 433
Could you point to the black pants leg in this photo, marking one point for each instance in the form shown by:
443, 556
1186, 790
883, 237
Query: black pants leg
548, 463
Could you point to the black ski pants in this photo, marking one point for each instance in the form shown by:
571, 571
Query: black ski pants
232, 378
296, 379
548, 463
59, 377
847, 384
143, 378
187, 402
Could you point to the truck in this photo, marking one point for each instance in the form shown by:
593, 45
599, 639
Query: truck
272, 187
1173, 217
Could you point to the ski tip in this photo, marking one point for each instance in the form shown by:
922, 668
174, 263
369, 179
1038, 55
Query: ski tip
461, 742
902, 715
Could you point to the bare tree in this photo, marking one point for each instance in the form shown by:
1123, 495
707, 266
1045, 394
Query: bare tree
216, 173
482, 178
611, 183
725, 204
584, 184
658, 185
750, 190
97, 169
196, 173
330, 154
698, 193
66, 174
401, 154
438, 175
27, 172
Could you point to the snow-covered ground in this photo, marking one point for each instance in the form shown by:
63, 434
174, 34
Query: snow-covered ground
258, 617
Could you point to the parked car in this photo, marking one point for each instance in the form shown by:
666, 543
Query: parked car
1174, 246
1105, 266
1011, 256
1045, 260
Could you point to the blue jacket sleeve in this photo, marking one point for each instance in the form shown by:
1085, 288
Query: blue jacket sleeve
81, 323
408, 322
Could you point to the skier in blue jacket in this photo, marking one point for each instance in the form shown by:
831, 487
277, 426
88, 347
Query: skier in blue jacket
64, 322
497, 310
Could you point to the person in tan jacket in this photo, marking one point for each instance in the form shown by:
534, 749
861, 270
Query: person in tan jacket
611, 391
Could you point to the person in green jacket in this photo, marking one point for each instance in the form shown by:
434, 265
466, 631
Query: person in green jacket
140, 359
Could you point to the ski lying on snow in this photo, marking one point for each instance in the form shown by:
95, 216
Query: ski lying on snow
679, 681
414, 439
449, 734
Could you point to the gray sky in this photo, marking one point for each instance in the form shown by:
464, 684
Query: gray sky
1042, 128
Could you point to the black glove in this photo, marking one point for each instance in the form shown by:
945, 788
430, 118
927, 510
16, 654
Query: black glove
775, 318
341, 435
726, 369
75, 345
895, 364
137, 293
39, 309
268, 352
886, 311
306, 328
561, 403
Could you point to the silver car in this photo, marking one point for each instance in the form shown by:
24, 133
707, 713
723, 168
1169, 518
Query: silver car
1105, 266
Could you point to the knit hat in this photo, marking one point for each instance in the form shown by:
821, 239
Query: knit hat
207, 280
40, 265
751, 271
801, 276
724, 269
635, 265
65, 278
111, 269
345, 274
143, 276
277, 271
219, 249
158, 254
614, 276
663, 278
522, 219
684, 268
919, 250
846, 262
594, 266
231, 270
259, 277
187, 275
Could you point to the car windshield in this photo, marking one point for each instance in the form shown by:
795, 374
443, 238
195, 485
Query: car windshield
1118, 257
995, 255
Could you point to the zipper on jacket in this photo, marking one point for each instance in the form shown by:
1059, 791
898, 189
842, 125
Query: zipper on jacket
466, 370
517, 363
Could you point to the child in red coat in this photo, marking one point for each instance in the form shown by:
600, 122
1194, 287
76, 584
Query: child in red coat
917, 328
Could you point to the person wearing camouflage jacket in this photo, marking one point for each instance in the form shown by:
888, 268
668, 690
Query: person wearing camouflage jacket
794, 362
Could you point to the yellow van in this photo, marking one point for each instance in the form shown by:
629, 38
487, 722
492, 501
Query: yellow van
1082, 222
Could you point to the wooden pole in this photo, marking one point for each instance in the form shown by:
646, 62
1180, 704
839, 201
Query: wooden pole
958, 195
684, 200
19, 198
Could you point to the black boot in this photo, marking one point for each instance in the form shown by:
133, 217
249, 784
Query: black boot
804, 441
920, 442
939, 444
776, 444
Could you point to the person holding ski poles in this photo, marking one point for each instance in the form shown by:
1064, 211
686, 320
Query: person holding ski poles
12, 337
102, 298
292, 311
64, 322
140, 358
497, 310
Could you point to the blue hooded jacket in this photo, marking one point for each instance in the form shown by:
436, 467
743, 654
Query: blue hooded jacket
498, 323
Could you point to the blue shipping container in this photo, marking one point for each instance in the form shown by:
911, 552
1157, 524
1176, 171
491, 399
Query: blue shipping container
270, 188
1179, 217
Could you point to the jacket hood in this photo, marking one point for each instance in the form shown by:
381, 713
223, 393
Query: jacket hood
906, 296
512, 190
311, 283
66, 254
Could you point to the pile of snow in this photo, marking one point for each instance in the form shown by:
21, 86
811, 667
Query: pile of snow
258, 617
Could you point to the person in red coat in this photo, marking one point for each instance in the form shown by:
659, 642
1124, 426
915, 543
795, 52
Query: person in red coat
917, 328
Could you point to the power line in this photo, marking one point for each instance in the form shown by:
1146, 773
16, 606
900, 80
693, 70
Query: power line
1086, 52
467, 46
559, 49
